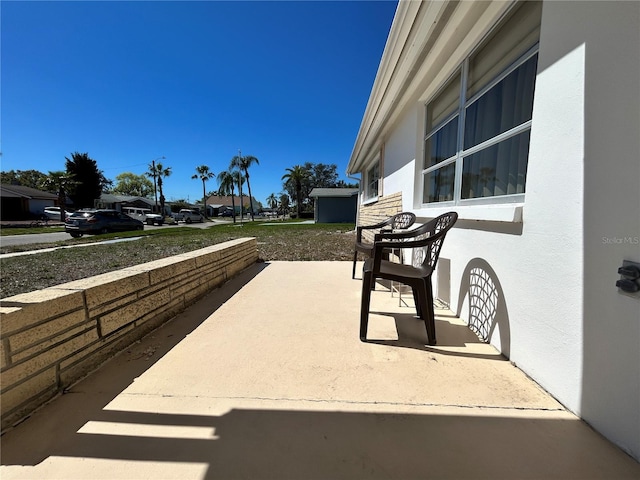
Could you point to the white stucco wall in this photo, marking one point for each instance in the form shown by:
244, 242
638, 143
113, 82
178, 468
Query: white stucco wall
560, 317
399, 155
610, 380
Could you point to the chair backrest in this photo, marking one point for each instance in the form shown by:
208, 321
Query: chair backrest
403, 220
399, 221
431, 236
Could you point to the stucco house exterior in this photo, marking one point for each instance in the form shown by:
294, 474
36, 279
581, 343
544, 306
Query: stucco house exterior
335, 205
523, 117
108, 200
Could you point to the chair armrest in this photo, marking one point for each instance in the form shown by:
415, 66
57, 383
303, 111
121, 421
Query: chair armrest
391, 235
394, 240
376, 225
370, 227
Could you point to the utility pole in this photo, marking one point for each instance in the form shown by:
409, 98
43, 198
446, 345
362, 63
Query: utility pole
155, 191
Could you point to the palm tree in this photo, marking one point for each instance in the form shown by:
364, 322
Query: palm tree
227, 186
272, 200
296, 176
151, 173
238, 178
203, 174
157, 171
243, 163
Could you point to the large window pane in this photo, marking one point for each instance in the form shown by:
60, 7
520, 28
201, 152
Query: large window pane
482, 131
498, 170
508, 104
438, 184
442, 144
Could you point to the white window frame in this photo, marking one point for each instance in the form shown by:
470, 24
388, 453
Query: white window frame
367, 195
458, 158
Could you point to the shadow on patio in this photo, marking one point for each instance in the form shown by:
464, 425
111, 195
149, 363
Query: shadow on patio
266, 378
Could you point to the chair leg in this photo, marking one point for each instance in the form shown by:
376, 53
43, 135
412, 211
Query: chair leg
367, 278
372, 286
422, 300
430, 313
416, 300
355, 259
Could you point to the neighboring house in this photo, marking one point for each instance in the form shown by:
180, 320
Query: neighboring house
217, 203
523, 118
116, 202
22, 203
335, 205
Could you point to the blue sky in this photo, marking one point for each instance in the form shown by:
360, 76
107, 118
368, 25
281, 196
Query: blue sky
128, 82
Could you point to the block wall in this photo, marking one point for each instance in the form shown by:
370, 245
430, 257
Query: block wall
51, 338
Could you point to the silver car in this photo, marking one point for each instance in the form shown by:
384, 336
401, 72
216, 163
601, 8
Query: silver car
100, 221
53, 213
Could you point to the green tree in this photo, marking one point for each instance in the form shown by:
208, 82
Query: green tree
295, 177
343, 184
89, 180
107, 184
204, 174
319, 175
128, 183
26, 178
243, 163
283, 203
60, 182
227, 186
157, 171
323, 175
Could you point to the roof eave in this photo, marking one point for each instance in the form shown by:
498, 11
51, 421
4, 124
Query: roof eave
423, 40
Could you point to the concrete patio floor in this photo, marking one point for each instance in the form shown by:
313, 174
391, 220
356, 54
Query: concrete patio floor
266, 378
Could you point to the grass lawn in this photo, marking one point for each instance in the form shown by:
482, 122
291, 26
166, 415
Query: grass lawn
286, 241
24, 230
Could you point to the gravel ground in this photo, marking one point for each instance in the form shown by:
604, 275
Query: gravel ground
275, 242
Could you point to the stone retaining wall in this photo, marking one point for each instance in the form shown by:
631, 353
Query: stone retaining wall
51, 338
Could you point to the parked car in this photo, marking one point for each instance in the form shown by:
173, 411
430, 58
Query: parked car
53, 213
186, 215
144, 215
100, 221
226, 213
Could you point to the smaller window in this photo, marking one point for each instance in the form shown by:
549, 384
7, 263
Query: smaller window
372, 181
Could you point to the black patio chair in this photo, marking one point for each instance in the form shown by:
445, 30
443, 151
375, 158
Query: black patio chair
400, 221
426, 242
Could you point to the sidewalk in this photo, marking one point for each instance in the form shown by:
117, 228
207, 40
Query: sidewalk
266, 378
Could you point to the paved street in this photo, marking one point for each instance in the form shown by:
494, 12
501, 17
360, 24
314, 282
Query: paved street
27, 239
